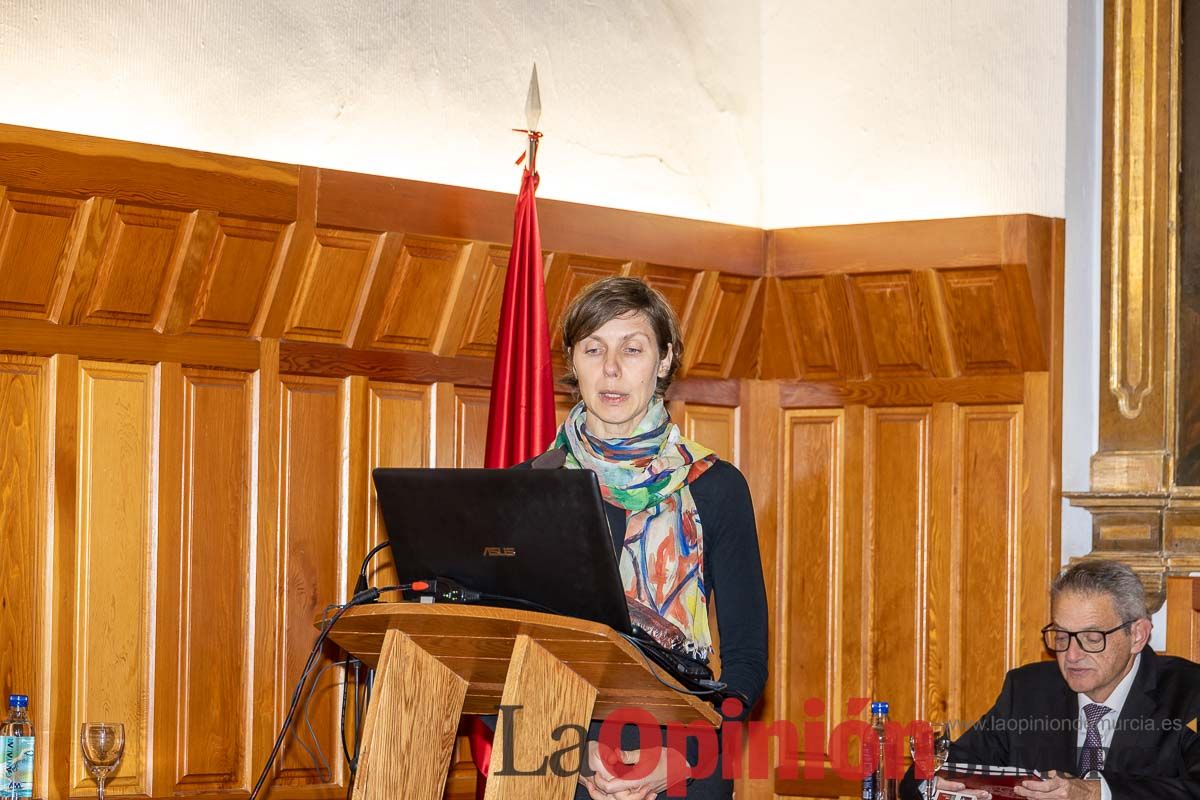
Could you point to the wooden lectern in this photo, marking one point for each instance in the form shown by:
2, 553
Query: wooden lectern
436, 662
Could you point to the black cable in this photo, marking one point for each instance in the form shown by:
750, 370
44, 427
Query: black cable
342, 725
696, 693
360, 598
319, 758
361, 584
499, 598
359, 705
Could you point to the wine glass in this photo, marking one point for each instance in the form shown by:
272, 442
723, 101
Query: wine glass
103, 744
931, 748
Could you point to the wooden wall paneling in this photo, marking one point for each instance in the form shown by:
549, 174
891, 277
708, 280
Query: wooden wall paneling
80, 275
988, 553
759, 425
836, 288
715, 427
370, 201
114, 570
39, 234
295, 258
213, 595
478, 337
567, 275
779, 356
898, 459
192, 258
889, 325
1041, 463
24, 462
36, 337
896, 246
808, 662
903, 391
424, 307
333, 284
943, 356
809, 308
313, 572
400, 434
855, 639
1040, 531
1033, 323
310, 358
262, 715
140, 262
355, 456
985, 335
745, 360
460, 425
26, 546
169, 661
56, 698
937, 572
237, 278
680, 287
67, 163
1183, 617
720, 326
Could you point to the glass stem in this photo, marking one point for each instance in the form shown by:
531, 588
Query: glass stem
100, 786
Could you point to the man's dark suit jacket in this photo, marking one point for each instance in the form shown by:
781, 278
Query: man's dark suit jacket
1034, 724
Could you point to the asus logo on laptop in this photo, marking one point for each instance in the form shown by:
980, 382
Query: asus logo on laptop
500, 552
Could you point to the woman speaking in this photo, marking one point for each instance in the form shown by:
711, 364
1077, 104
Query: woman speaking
681, 518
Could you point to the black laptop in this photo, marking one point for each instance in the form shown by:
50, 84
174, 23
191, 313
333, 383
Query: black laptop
532, 538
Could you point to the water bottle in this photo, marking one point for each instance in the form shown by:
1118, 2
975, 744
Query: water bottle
16, 750
877, 785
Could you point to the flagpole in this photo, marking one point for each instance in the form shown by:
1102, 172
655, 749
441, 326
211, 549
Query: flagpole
521, 408
533, 115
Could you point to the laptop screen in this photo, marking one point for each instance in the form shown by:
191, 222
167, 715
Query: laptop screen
539, 535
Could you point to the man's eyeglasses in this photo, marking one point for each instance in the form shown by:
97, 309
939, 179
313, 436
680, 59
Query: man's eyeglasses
1059, 641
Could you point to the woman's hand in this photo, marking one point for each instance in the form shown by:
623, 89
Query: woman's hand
605, 785
600, 764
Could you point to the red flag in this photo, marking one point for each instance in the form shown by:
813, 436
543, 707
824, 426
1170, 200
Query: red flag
521, 415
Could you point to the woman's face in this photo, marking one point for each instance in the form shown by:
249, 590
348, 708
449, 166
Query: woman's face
617, 367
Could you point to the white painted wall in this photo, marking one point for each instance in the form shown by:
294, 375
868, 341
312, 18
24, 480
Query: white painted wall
649, 105
912, 109
762, 112
1081, 324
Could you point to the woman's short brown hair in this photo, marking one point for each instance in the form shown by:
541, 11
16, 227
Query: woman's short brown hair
614, 297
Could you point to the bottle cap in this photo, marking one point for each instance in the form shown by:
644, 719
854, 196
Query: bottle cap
879, 707
18, 701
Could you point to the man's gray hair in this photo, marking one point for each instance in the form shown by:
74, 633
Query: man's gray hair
1112, 578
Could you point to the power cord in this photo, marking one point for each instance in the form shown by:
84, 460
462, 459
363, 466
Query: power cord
359, 598
319, 758
361, 584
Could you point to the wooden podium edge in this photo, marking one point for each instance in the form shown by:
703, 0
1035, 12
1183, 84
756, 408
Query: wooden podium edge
409, 731
552, 698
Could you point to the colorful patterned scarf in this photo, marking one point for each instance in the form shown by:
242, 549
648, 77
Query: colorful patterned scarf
662, 559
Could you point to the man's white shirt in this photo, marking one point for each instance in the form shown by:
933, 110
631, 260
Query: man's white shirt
1107, 726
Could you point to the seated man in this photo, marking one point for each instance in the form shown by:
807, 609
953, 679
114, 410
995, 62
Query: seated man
1109, 719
